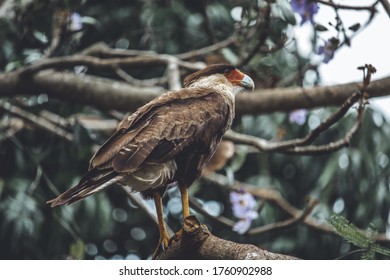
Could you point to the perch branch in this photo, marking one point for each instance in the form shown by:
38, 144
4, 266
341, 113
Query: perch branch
198, 243
92, 90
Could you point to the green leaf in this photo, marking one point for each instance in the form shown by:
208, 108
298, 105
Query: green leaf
76, 250
40, 37
286, 12
352, 234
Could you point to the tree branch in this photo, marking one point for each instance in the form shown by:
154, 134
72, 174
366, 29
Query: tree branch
273, 196
37, 121
386, 6
110, 94
197, 242
347, 7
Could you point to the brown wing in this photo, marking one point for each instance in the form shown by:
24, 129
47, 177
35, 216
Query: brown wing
158, 132
163, 128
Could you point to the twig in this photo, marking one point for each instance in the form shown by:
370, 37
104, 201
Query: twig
140, 83
37, 121
262, 38
286, 223
301, 145
271, 195
56, 119
219, 219
104, 64
206, 50
262, 229
386, 6
347, 7
102, 50
10, 127
60, 23
267, 194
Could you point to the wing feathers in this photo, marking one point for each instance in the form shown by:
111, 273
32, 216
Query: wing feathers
157, 133
93, 181
130, 157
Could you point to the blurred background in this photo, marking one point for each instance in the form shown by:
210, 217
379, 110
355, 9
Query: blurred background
35, 166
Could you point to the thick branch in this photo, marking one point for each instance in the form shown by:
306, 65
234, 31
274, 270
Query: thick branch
286, 99
111, 94
197, 242
86, 89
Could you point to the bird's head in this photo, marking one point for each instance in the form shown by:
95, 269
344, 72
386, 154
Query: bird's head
234, 76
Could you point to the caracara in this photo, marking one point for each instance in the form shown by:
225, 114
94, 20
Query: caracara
168, 140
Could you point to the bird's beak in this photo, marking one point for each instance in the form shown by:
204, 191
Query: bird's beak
247, 83
237, 78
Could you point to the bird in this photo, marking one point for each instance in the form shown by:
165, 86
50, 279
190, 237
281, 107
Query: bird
166, 142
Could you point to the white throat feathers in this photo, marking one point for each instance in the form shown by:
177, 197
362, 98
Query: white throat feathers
219, 83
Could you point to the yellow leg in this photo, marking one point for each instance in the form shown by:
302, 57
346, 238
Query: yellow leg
164, 237
184, 202
186, 213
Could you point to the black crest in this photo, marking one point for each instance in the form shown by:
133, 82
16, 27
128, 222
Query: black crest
209, 70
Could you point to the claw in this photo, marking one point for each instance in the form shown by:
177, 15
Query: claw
162, 246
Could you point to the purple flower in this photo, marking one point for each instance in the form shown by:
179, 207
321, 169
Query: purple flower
244, 224
328, 49
298, 116
75, 22
243, 205
305, 8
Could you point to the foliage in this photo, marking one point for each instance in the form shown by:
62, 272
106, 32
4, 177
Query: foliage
353, 235
35, 166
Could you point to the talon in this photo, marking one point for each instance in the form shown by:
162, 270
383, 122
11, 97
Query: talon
162, 246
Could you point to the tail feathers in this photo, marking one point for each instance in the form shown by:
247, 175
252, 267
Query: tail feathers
92, 182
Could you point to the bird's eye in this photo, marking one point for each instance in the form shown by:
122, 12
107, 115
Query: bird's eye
227, 71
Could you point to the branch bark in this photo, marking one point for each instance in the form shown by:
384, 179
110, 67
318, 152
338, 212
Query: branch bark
196, 242
111, 94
